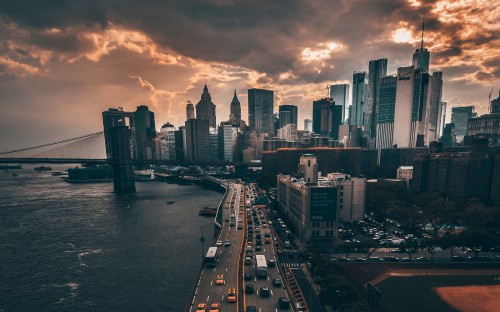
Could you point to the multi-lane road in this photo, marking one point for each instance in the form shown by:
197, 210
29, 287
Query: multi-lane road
238, 232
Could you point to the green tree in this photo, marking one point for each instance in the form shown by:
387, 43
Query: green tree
409, 246
478, 240
449, 242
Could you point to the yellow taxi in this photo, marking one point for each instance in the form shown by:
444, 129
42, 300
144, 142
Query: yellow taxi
231, 295
201, 307
215, 307
220, 280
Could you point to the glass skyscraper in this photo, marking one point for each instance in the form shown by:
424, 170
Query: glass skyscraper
261, 110
340, 94
359, 88
377, 69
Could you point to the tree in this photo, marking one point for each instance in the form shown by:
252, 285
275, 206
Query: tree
448, 241
409, 246
478, 240
346, 248
430, 246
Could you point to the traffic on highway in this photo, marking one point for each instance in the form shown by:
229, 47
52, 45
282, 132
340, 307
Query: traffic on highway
241, 271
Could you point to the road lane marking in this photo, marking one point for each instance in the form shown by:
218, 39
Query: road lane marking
211, 283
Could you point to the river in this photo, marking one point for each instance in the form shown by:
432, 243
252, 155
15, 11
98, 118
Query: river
80, 247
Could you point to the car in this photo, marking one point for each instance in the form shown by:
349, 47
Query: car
251, 309
271, 263
231, 295
248, 261
265, 292
227, 243
258, 248
201, 307
249, 288
215, 307
218, 243
227, 219
284, 303
267, 240
220, 280
249, 254
240, 227
248, 276
231, 224
276, 282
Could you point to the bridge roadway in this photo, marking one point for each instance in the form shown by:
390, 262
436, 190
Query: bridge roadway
231, 265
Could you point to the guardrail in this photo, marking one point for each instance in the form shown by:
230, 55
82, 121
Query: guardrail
294, 288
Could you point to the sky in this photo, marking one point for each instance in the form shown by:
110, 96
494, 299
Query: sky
63, 62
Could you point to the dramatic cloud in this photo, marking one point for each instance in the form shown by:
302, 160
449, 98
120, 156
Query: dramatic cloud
63, 62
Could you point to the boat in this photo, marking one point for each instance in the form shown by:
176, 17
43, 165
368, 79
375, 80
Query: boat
208, 211
57, 173
170, 202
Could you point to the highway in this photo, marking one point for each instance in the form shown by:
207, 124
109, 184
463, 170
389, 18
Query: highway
231, 259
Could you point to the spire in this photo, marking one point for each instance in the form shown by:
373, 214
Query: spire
235, 98
205, 88
423, 28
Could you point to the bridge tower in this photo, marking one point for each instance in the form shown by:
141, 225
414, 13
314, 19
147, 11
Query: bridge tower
121, 160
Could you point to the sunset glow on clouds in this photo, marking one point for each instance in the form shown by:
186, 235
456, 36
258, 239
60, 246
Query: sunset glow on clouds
80, 58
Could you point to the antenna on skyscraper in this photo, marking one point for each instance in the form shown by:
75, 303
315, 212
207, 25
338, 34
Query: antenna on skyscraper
423, 28
328, 91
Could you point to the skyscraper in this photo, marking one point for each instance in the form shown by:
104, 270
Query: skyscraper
308, 125
197, 140
412, 102
340, 94
385, 122
144, 133
189, 110
235, 110
495, 105
327, 118
460, 117
377, 69
205, 109
359, 90
227, 141
421, 56
261, 110
287, 115
434, 111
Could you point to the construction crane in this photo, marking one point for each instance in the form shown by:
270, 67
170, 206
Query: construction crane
489, 98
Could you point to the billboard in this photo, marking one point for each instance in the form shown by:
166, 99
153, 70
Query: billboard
323, 203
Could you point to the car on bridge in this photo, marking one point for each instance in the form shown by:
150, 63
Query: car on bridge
220, 280
215, 307
231, 295
201, 307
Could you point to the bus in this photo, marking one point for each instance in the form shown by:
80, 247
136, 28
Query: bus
212, 257
261, 266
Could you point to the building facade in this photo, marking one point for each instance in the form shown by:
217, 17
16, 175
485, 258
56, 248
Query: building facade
261, 110
377, 69
340, 95
205, 109
358, 106
197, 140
287, 115
460, 118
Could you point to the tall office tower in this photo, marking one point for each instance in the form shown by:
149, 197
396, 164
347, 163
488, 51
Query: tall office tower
495, 105
434, 111
421, 56
385, 122
460, 117
235, 110
359, 90
180, 143
213, 137
205, 109
287, 115
167, 136
340, 95
145, 133
377, 69
448, 137
442, 118
189, 111
412, 102
197, 140
261, 110
227, 140
114, 117
308, 125
327, 118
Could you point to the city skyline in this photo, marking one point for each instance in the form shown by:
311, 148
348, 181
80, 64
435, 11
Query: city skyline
78, 60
